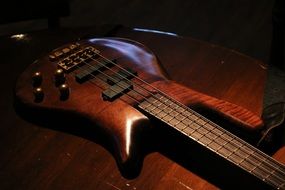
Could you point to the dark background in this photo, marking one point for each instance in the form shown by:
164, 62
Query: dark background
242, 25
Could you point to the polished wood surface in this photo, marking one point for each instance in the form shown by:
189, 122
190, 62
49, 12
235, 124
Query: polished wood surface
208, 68
36, 157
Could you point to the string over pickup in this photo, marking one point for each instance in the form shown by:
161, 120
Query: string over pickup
121, 75
87, 70
117, 90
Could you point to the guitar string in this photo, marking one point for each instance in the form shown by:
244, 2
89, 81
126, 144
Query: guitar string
276, 184
193, 112
253, 155
146, 99
218, 143
200, 126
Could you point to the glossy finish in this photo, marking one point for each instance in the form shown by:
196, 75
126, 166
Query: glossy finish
56, 160
117, 119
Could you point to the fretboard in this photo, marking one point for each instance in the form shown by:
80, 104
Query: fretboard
216, 139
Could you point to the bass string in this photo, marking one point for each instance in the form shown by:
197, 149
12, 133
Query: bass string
108, 76
182, 105
258, 158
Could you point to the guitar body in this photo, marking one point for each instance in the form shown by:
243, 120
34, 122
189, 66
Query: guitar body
121, 124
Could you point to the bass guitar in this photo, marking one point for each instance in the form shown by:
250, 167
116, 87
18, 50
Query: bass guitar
117, 86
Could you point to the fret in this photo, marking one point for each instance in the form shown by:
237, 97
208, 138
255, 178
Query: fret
158, 103
181, 126
211, 135
231, 146
236, 142
181, 109
196, 135
271, 165
193, 117
209, 126
261, 172
270, 174
161, 114
224, 151
188, 131
236, 158
205, 140
276, 181
200, 121
167, 118
162, 98
241, 153
150, 107
168, 102
186, 121
174, 106
247, 149
217, 131
162, 106
202, 130
266, 159
220, 140
144, 104
278, 171
216, 139
187, 114
158, 96
194, 126
213, 145
152, 100
180, 117
253, 159
248, 166
228, 138
168, 110
156, 111
268, 168
174, 121
174, 113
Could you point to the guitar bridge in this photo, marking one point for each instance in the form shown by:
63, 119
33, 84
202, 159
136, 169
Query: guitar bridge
77, 58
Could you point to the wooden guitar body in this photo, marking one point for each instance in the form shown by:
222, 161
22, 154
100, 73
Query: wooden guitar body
123, 124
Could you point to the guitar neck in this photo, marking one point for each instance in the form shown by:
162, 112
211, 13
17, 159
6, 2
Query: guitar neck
216, 139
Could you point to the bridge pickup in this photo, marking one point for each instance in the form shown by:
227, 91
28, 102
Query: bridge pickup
87, 70
121, 75
117, 90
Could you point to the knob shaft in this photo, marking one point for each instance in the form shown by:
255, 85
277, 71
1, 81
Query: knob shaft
37, 79
59, 77
64, 91
39, 94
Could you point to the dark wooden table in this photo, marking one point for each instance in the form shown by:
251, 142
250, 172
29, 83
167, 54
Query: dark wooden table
33, 157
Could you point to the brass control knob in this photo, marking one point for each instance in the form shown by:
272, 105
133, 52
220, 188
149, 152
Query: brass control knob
37, 79
59, 77
64, 91
39, 94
